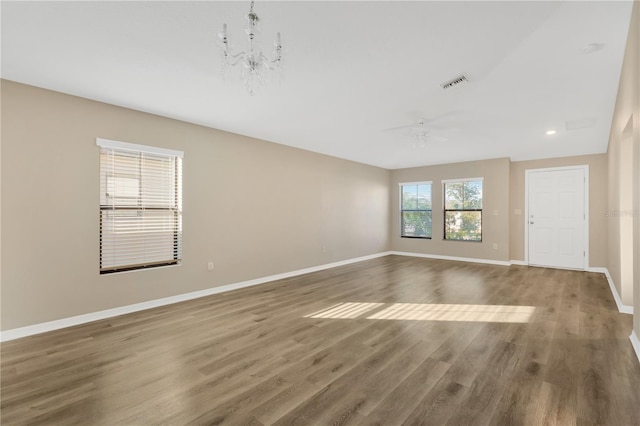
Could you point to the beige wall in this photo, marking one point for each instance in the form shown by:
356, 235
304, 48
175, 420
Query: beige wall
253, 208
634, 45
624, 141
495, 218
620, 221
597, 203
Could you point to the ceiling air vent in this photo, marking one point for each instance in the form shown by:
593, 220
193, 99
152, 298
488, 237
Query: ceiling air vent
455, 82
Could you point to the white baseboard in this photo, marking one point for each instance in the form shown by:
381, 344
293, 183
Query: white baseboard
622, 308
458, 259
44, 327
635, 343
30, 330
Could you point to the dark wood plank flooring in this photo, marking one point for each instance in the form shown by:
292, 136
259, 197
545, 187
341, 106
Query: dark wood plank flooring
391, 341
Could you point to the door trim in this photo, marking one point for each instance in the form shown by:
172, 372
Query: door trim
527, 173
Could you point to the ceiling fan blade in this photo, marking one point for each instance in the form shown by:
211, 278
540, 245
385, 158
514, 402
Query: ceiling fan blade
425, 123
441, 116
444, 129
406, 126
436, 138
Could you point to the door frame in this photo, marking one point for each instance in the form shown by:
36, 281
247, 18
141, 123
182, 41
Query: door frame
527, 173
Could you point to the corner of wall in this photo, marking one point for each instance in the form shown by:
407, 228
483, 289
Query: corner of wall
625, 131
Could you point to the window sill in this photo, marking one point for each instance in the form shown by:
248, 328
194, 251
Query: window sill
137, 269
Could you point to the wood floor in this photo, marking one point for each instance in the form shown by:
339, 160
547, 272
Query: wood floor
390, 341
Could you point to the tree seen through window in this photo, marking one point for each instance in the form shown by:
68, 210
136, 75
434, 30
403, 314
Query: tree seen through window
416, 210
463, 210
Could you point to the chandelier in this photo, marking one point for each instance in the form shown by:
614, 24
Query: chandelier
255, 66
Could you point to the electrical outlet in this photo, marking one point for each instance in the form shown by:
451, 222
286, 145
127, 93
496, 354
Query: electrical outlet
495, 246
210, 266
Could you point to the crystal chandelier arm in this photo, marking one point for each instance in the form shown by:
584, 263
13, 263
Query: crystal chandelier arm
273, 64
224, 39
234, 60
230, 58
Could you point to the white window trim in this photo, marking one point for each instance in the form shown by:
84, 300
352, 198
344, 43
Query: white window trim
423, 182
108, 143
462, 180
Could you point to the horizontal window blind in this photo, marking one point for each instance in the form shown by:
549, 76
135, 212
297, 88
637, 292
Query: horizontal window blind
140, 206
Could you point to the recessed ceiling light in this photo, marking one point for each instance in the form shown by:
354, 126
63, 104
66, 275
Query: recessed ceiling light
551, 132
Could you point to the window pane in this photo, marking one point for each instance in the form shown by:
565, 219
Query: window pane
473, 195
453, 195
409, 197
122, 190
138, 237
416, 224
463, 225
424, 197
158, 181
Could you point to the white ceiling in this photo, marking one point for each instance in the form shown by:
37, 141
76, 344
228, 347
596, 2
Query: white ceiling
352, 70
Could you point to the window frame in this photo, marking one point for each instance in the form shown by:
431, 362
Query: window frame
445, 210
175, 209
400, 186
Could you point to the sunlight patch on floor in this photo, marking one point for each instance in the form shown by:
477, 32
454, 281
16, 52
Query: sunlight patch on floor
345, 310
466, 313
429, 312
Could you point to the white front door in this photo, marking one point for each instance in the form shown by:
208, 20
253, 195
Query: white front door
556, 218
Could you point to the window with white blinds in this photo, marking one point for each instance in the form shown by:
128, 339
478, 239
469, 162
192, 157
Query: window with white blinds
140, 206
